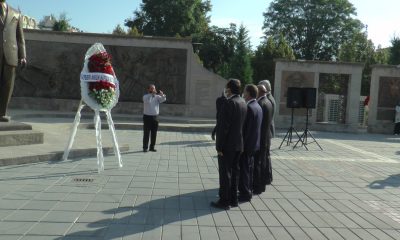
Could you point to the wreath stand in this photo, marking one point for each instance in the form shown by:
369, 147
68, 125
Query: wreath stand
97, 126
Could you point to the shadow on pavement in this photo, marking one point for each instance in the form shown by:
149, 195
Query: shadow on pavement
198, 143
368, 137
149, 215
391, 181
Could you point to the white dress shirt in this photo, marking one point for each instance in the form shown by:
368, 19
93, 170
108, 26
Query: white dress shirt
151, 104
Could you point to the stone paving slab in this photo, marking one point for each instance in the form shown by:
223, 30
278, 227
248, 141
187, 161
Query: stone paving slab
348, 191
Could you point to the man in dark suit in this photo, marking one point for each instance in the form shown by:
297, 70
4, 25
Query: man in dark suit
251, 138
219, 103
229, 145
271, 98
12, 52
262, 162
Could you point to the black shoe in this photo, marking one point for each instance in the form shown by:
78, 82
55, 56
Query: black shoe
257, 192
219, 205
144, 150
153, 150
234, 204
244, 199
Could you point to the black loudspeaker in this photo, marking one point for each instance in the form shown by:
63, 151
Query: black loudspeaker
310, 97
294, 98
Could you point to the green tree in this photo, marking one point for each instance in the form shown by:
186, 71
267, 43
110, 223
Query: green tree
62, 24
382, 55
361, 49
263, 59
168, 18
240, 66
134, 32
395, 51
216, 48
315, 29
118, 30
358, 49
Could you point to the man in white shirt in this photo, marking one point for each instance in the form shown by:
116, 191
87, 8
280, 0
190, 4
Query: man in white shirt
151, 110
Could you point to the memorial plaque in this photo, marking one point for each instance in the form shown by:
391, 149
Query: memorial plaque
389, 96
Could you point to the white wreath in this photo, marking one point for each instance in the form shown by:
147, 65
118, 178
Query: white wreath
87, 77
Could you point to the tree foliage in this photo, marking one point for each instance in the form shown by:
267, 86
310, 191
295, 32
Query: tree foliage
240, 66
315, 29
216, 48
361, 49
395, 51
118, 30
62, 24
134, 32
263, 60
168, 18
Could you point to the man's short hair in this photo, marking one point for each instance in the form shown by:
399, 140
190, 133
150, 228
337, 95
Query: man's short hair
252, 90
262, 89
234, 85
267, 85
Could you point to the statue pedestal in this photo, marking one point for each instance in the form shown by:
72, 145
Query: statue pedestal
16, 134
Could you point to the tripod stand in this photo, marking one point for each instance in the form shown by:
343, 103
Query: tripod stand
289, 133
306, 134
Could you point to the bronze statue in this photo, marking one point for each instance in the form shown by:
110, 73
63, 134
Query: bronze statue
12, 52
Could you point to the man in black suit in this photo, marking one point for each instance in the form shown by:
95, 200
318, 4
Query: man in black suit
271, 98
251, 138
229, 145
219, 103
262, 162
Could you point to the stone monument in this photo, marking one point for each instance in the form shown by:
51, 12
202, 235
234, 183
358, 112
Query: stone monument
12, 52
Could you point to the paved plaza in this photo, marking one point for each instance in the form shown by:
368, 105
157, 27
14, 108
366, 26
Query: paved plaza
348, 191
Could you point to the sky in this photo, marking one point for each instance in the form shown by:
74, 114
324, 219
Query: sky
101, 16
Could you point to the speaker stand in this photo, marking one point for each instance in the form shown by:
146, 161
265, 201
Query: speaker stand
289, 134
306, 135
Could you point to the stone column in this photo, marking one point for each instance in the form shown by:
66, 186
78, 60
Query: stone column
278, 87
374, 95
353, 98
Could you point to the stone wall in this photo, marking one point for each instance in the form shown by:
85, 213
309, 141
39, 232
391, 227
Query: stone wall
55, 61
307, 74
385, 94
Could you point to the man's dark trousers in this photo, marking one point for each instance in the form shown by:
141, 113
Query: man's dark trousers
150, 127
259, 170
246, 175
268, 166
228, 177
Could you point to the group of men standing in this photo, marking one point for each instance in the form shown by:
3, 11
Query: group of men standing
243, 140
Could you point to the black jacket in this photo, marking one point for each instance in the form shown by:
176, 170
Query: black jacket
230, 125
252, 127
219, 104
266, 134
272, 100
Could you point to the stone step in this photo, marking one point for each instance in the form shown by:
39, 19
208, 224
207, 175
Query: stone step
14, 126
57, 155
20, 137
208, 128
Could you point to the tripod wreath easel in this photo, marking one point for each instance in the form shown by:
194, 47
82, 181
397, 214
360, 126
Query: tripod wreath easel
97, 126
100, 92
